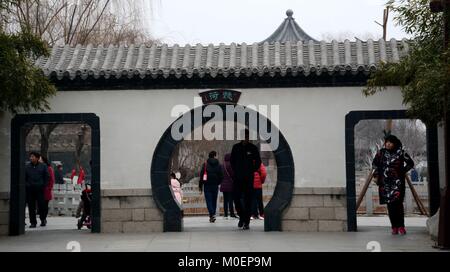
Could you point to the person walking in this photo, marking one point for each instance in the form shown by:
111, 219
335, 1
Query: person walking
211, 176
78, 180
390, 165
245, 161
36, 179
59, 176
226, 187
258, 204
48, 190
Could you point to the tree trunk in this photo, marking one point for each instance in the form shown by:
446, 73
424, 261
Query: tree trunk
46, 131
28, 128
44, 146
80, 144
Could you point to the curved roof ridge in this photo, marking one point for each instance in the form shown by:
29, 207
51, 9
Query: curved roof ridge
289, 30
234, 60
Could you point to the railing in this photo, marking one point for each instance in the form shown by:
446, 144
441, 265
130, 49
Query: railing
194, 202
66, 198
371, 204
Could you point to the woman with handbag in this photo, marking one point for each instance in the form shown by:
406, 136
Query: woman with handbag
211, 176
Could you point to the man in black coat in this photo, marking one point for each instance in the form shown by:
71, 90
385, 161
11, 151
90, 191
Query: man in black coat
245, 161
36, 178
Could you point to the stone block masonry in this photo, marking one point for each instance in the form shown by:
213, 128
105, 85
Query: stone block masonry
4, 213
130, 211
316, 210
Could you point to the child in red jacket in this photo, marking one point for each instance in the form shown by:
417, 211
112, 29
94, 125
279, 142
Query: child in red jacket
258, 181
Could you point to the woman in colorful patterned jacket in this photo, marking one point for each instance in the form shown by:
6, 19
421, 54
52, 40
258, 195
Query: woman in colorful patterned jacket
390, 165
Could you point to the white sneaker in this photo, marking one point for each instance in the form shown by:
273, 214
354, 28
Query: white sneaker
261, 217
252, 218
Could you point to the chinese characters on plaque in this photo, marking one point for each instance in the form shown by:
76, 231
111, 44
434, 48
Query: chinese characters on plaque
220, 96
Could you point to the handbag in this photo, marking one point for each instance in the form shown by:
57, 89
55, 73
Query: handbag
205, 174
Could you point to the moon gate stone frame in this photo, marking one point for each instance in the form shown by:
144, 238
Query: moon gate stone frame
171, 210
351, 120
17, 198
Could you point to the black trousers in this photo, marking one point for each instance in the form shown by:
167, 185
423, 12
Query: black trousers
46, 202
35, 195
396, 214
258, 205
243, 204
228, 203
211, 193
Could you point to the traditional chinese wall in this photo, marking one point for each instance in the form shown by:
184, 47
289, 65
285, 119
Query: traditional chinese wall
311, 119
5, 151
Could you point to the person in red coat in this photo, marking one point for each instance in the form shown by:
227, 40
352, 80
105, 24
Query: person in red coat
48, 190
80, 176
258, 181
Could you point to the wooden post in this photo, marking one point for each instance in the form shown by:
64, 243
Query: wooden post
385, 21
419, 203
444, 212
444, 216
364, 190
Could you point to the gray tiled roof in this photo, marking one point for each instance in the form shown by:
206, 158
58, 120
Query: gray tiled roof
290, 31
234, 60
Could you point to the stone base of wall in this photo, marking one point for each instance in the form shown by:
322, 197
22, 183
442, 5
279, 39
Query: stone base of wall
130, 211
4, 213
316, 209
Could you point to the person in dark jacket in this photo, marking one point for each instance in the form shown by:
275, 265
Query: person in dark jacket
245, 161
36, 179
390, 165
226, 187
209, 182
59, 176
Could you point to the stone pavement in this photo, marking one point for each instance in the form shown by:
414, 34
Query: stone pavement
223, 236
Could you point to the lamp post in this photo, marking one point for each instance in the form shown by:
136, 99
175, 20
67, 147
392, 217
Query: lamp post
444, 214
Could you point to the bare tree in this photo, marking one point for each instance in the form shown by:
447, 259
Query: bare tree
80, 143
369, 135
77, 22
189, 156
385, 22
81, 21
341, 36
27, 128
45, 131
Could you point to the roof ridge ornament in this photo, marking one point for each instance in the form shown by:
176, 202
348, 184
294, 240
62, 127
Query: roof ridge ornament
289, 31
289, 13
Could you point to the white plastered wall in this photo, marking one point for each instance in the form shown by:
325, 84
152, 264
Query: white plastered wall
133, 121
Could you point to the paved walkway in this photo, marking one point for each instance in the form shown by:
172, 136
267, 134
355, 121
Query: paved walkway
222, 236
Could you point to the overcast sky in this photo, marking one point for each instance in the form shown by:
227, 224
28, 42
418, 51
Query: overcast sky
216, 21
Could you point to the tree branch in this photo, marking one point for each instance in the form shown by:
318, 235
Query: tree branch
53, 17
71, 25
98, 19
81, 18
